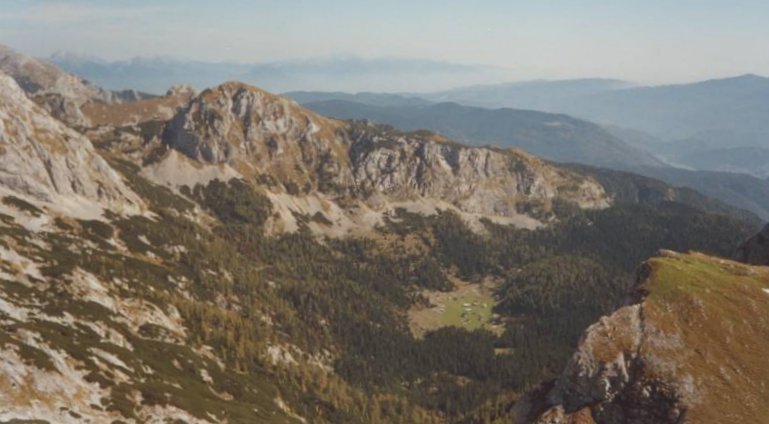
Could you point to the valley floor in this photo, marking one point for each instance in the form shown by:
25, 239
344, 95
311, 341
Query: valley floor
468, 306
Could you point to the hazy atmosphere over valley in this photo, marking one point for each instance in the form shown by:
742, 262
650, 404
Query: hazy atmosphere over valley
336, 211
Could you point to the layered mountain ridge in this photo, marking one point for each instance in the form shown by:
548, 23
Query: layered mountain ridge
257, 133
247, 260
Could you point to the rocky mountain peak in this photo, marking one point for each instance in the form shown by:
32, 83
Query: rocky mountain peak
258, 133
181, 90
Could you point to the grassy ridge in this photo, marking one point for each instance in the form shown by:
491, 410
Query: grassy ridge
712, 318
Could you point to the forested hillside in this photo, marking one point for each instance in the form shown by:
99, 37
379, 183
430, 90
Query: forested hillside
334, 312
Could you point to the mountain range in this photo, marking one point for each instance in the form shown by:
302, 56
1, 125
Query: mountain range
694, 124
231, 256
544, 95
154, 75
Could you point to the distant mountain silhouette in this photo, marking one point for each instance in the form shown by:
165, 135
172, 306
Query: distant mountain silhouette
670, 112
335, 73
368, 98
536, 95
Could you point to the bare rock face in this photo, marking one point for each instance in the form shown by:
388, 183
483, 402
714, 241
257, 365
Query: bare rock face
602, 366
615, 375
477, 180
609, 375
40, 157
181, 90
258, 133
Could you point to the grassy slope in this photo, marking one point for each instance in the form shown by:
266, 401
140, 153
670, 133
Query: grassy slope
719, 312
468, 306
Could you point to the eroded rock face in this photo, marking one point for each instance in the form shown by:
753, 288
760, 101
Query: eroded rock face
42, 158
611, 381
477, 180
259, 133
181, 90
604, 362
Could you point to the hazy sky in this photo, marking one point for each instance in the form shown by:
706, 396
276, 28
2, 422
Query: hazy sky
650, 41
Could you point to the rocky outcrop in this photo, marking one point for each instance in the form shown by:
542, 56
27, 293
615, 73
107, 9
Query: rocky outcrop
686, 352
258, 133
43, 159
477, 180
129, 95
181, 90
609, 377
